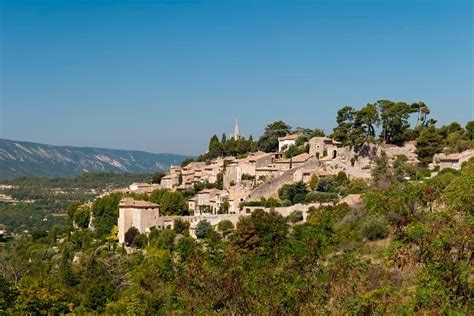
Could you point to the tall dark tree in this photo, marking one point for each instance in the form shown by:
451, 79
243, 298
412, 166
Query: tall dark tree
317, 132
428, 143
367, 118
269, 140
224, 138
422, 111
130, 235
215, 148
394, 120
345, 122
157, 176
470, 130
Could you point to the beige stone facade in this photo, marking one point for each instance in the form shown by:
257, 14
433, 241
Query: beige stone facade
452, 161
248, 166
143, 188
139, 214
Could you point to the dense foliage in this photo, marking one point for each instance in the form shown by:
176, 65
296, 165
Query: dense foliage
406, 249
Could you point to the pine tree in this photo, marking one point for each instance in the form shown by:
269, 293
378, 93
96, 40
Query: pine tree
427, 144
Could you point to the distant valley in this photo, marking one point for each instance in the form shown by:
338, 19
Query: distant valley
20, 158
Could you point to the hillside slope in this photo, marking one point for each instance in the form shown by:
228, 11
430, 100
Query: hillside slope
19, 158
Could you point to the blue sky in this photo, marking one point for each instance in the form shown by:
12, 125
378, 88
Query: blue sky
163, 76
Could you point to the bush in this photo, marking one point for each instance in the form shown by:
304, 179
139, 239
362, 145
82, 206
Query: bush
270, 202
225, 227
327, 184
164, 239
358, 185
449, 170
313, 183
295, 216
321, 197
140, 241
224, 208
423, 173
181, 227
82, 217
375, 227
293, 192
130, 235
342, 178
203, 229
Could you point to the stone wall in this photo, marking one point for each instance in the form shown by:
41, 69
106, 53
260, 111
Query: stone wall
270, 188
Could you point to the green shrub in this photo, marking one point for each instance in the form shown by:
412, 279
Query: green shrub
342, 178
295, 216
81, 217
270, 202
140, 241
181, 227
130, 235
449, 170
293, 192
358, 185
375, 227
321, 197
327, 184
225, 227
203, 229
423, 173
313, 183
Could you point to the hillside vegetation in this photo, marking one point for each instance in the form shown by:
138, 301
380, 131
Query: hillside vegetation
406, 249
42, 201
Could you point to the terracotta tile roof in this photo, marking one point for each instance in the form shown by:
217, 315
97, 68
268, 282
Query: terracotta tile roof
260, 156
302, 157
131, 203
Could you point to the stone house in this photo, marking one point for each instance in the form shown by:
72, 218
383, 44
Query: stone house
175, 169
305, 174
247, 166
324, 147
140, 214
143, 187
203, 201
453, 161
170, 181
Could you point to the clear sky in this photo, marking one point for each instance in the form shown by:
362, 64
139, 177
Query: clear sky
163, 76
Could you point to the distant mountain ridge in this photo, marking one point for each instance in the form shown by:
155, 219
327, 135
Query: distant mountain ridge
21, 158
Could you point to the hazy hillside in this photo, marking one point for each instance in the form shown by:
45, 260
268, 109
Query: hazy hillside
18, 158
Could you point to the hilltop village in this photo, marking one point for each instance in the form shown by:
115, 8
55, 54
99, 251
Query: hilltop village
372, 219
228, 187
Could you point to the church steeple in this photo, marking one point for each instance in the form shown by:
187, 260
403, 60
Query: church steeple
237, 134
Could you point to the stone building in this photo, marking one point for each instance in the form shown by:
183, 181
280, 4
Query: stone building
294, 162
248, 166
140, 214
324, 147
285, 142
453, 161
170, 181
